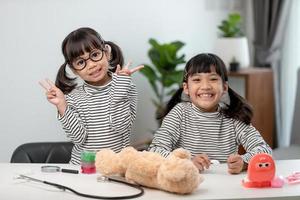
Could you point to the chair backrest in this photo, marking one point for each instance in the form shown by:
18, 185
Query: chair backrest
295, 137
42, 152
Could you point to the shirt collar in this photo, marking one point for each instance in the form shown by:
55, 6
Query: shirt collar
92, 89
200, 112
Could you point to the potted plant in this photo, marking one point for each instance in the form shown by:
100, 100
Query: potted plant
163, 75
231, 27
232, 44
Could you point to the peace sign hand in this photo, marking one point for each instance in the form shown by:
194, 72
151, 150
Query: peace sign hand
126, 71
54, 95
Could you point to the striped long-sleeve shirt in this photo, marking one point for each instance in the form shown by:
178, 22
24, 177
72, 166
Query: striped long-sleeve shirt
211, 133
100, 116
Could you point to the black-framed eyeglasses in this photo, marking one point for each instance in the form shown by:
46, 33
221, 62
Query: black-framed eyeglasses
94, 55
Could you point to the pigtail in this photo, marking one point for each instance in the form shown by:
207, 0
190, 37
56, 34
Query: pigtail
63, 82
175, 99
238, 109
116, 56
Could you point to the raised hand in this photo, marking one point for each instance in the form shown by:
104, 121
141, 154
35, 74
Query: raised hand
126, 71
54, 95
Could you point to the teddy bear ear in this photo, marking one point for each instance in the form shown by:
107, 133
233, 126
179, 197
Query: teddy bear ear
128, 149
181, 153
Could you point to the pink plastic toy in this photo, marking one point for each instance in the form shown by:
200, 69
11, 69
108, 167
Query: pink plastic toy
294, 178
261, 172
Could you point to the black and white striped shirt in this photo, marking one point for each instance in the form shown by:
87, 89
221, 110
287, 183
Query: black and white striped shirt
100, 116
211, 133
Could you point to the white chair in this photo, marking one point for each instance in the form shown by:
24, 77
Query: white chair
293, 151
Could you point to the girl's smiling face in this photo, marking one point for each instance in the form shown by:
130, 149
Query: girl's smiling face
205, 90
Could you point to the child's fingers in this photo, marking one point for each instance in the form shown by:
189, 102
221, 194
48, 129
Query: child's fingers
206, 162
50, 83
136, 69
126, 71
230, 158
45, 85
127, 65
235, 168
198, 165
235, 163
233, 158
203, 160
50, 96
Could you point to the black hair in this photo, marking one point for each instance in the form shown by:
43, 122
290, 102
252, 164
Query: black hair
74, 45
203, 63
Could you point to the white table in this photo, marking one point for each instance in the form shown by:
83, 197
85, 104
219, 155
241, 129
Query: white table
218, 184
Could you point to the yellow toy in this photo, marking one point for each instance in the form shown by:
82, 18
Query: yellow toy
176, 173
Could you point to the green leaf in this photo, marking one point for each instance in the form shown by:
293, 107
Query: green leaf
178, 45
162, 74
172, 92
155, 58
154, 43
231, 27
174, 47
234, 18
150, 74
174, 77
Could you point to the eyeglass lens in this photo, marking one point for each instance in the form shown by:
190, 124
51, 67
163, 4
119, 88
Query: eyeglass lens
95, 55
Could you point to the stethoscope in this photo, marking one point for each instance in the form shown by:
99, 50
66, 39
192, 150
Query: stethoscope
103, 178
52, 168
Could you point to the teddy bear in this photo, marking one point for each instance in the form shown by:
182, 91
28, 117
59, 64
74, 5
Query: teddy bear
176, 173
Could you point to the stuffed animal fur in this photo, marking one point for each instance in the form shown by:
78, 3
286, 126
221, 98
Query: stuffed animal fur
176, 173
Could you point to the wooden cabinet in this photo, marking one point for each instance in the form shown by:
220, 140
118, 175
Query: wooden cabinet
256, 85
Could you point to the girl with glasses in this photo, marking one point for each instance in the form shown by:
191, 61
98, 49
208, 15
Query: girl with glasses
100, 112
198, 120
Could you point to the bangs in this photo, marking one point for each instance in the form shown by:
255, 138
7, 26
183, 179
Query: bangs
201, 67
80, 43
205, 63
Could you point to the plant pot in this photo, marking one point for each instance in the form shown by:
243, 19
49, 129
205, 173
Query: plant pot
234, 66
233, 48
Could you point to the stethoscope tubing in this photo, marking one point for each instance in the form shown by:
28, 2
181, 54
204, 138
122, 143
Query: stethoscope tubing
62, 187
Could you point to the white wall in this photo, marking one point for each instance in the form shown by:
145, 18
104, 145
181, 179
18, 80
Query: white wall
31, 35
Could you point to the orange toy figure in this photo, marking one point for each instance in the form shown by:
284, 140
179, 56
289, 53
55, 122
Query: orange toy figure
261, 172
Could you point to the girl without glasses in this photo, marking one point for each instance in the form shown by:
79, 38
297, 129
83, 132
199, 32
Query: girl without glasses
100, 112
203, 124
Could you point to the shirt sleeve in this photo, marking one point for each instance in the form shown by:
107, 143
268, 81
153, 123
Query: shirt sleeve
133, 98
251, 140
72, 124
167, 136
